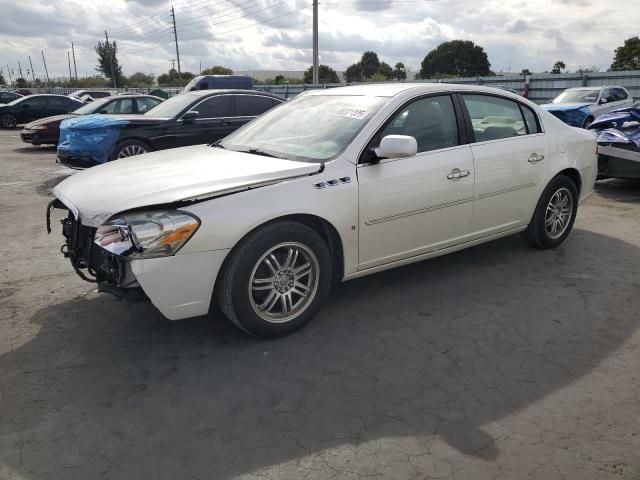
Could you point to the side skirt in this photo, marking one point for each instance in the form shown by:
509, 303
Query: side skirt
435, 253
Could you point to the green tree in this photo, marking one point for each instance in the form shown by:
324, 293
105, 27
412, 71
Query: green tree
461, 58
385, 70
21, 83
140, 79
400, 72
525, 72
369, 64
377, 77
353, 73
627, 57
2, 80
558, 67
326, 75
108, 57
172, 79
279, 79
217, 70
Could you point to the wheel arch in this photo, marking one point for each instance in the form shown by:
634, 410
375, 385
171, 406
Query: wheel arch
322, 226
574, 175
120, 141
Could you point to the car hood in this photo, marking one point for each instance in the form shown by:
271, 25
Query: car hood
558, 107
97, 120
168, 176
43, 121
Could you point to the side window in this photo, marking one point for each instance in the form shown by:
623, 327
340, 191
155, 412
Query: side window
124, 105
608, 95
146, 104
35, 102
431, 121
251, 105
219, 106
530, 120
57, 103
494, 118
620, 94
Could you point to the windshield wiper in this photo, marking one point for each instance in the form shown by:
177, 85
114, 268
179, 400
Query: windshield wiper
255, 151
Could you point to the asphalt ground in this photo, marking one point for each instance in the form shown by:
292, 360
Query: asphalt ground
498, 362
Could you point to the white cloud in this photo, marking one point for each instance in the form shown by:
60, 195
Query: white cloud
515, 33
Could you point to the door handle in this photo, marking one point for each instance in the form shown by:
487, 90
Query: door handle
457, 173
534, 158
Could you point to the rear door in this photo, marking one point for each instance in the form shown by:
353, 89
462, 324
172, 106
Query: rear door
248, 107
511, 153
213, 122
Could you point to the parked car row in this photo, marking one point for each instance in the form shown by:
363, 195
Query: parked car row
332, 185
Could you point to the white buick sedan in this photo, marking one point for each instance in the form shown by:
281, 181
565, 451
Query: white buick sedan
331, 186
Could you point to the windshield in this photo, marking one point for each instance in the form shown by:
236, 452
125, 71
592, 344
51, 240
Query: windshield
314, 128
172, 107
93, 107
578, 96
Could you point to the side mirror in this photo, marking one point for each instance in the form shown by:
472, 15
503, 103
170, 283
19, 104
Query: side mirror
397, 146
602, 100
103, 111
190, 116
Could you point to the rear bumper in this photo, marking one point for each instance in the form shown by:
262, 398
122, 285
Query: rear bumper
618, 162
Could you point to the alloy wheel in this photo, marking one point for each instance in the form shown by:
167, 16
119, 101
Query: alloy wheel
131, 150
558, 213
284, 282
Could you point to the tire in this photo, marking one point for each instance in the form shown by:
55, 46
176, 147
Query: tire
130, 148
553, 218
8, 121
587, 123
255, 290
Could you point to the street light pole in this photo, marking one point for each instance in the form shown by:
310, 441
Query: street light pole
316, 76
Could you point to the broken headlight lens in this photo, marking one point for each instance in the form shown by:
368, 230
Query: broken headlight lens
147, 234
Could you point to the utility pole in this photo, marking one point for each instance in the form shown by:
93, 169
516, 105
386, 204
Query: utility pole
75, 68
69, 59
45, 66
175, 36
9, 73
316, 76
173, 64
113, 58
33, 75
20, 69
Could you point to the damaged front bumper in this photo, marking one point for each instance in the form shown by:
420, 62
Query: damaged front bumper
180, 286
112, 273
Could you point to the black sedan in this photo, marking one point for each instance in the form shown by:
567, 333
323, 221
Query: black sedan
33, 107
47, 130
192, 118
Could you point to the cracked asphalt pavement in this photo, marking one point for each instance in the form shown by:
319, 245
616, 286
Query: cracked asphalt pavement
498, 362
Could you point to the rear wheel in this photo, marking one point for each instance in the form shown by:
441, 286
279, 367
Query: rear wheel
554, 215
276, 280
8, 121
130, 148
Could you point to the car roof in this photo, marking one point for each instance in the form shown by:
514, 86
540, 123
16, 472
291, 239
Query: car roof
217, 91
393, 89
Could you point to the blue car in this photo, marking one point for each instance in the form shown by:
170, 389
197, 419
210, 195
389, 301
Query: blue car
579, 107
619, 143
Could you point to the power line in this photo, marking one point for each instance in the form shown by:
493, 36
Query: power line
255, 24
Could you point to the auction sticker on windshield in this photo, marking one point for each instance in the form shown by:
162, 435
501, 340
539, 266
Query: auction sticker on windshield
356, 113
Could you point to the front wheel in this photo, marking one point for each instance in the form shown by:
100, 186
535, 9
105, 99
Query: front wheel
8, 121
554, 215
587, 123
129, 148
276, 279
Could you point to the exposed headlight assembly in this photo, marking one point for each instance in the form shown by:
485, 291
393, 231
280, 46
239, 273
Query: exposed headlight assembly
147, 234
39, 127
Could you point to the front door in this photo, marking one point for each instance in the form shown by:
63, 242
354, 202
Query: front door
510, 154
213, 123
410, 206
